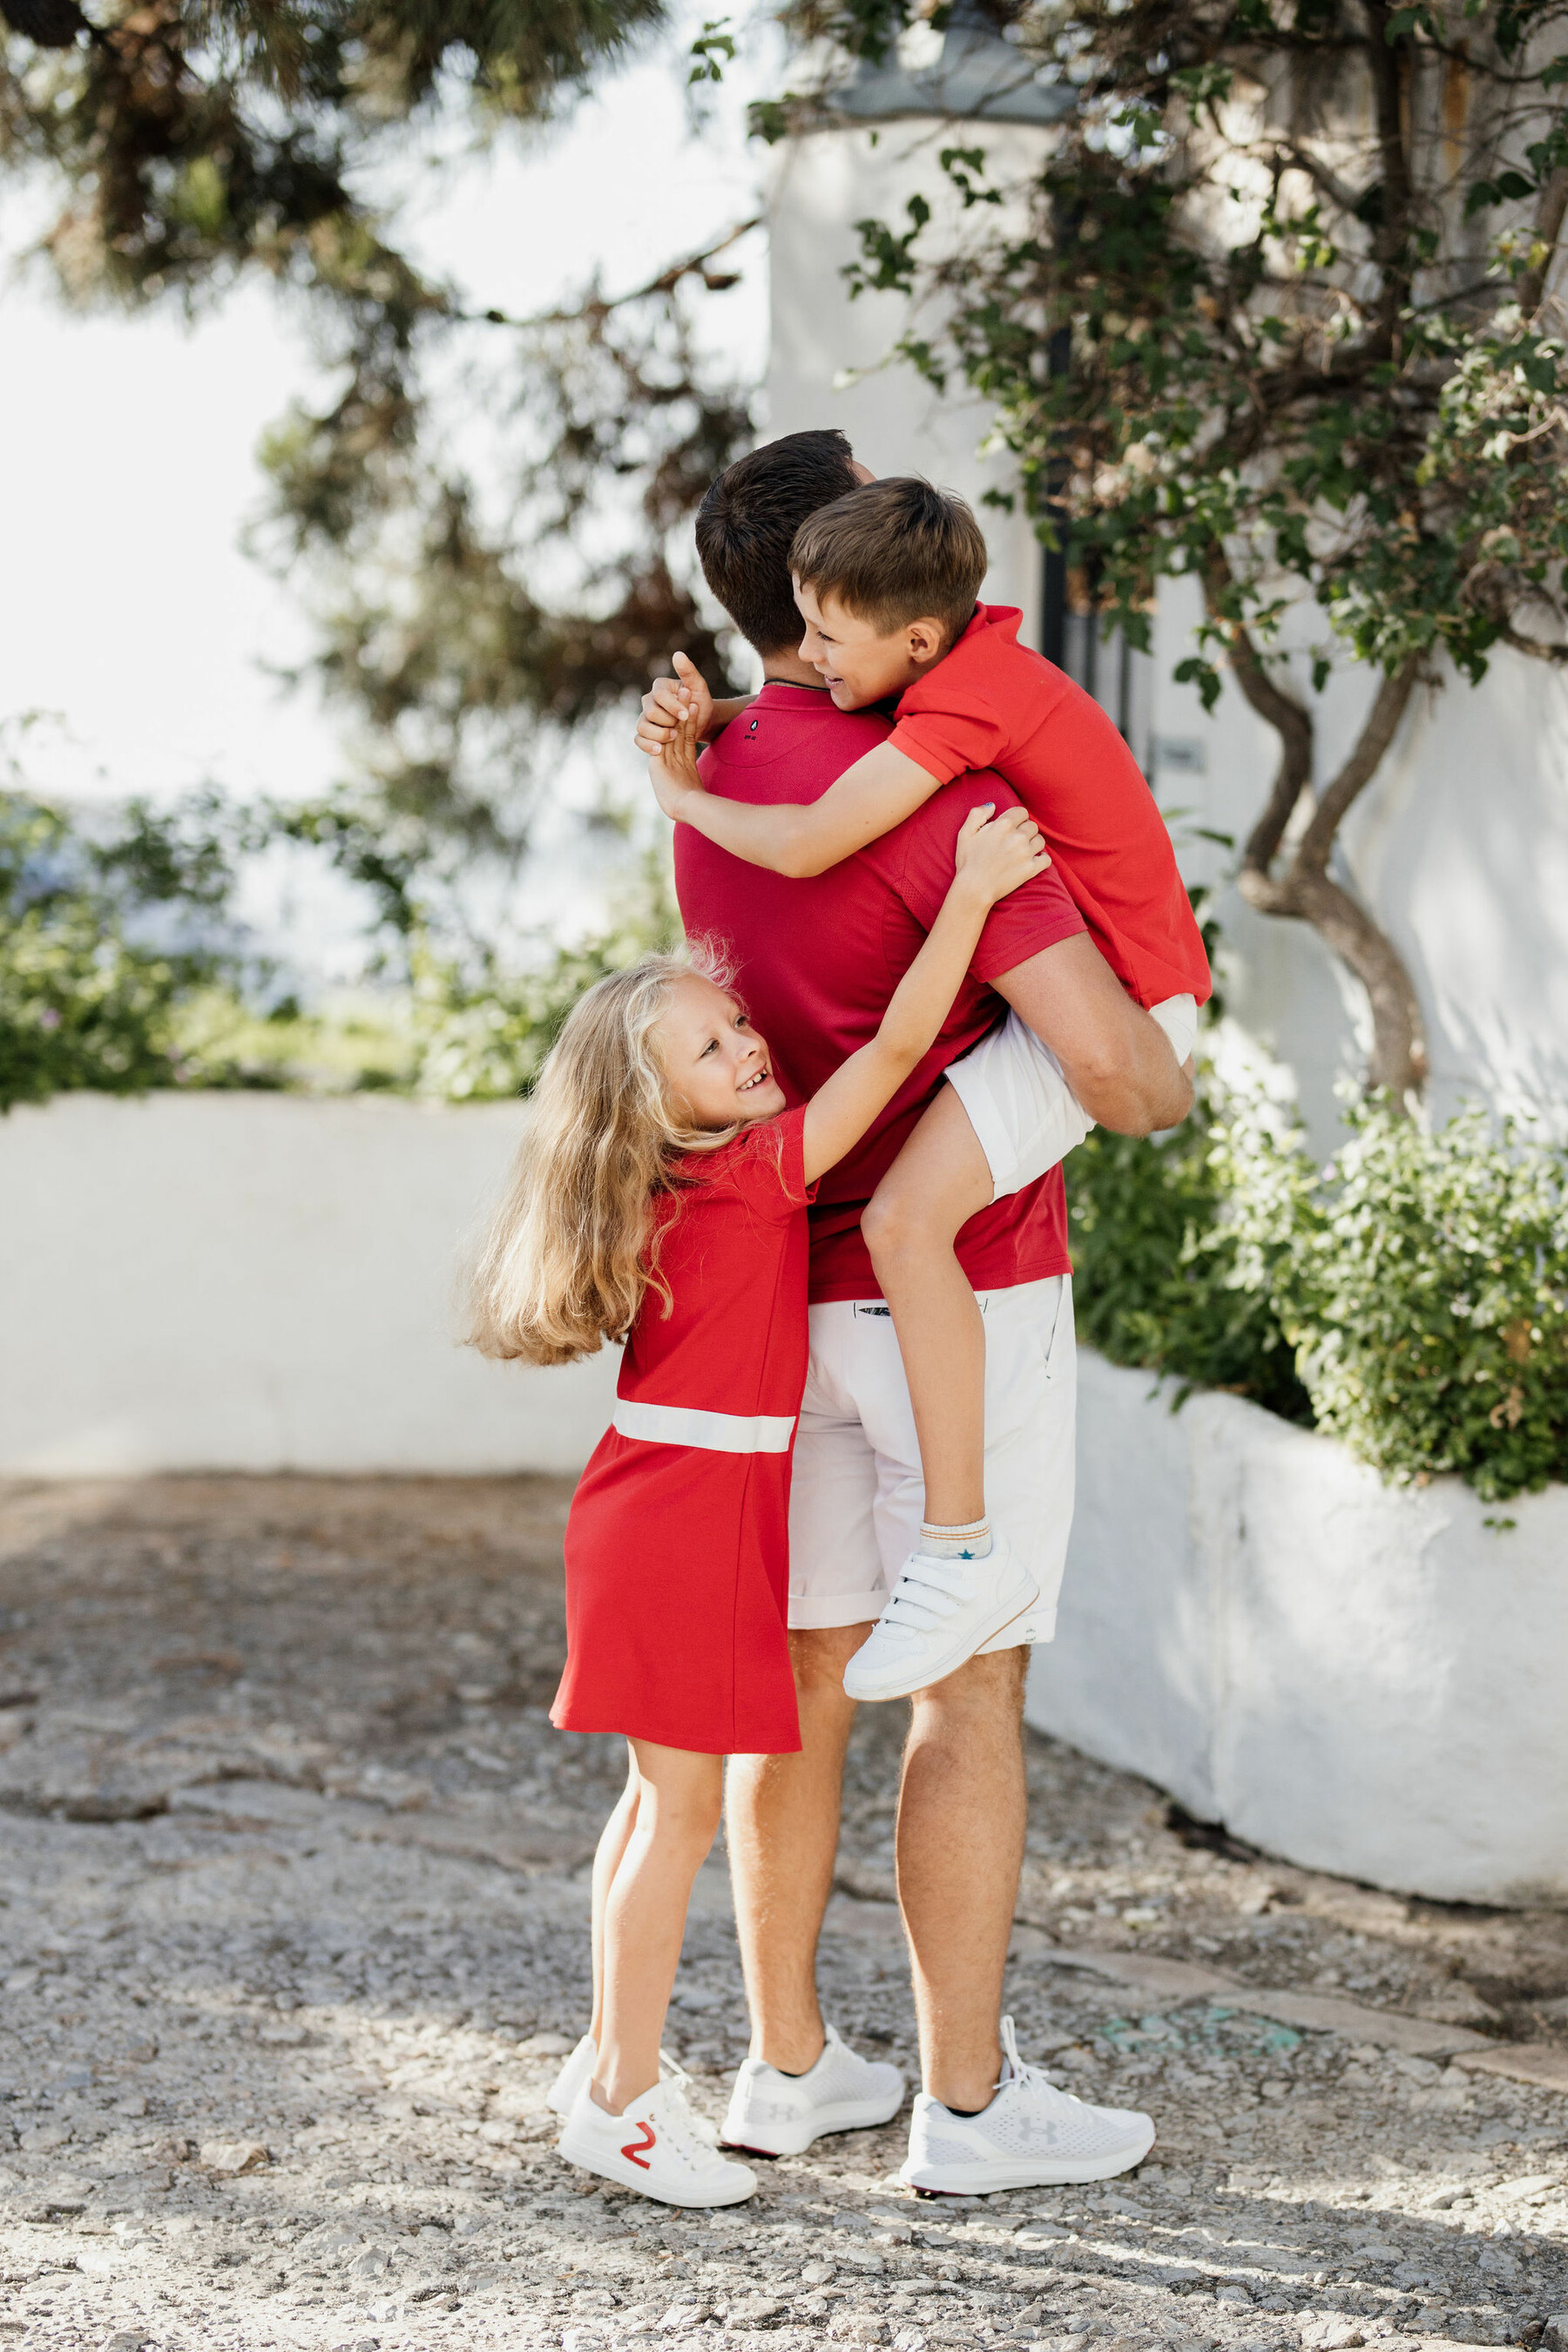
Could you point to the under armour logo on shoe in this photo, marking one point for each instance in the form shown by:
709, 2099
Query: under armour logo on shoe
631, 2151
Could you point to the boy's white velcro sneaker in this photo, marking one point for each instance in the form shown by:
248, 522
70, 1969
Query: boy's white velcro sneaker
939, 1613
772, 2114
1030, 2136
654, 2146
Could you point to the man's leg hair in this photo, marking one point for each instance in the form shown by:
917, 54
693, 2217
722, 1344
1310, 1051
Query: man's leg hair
962, 1806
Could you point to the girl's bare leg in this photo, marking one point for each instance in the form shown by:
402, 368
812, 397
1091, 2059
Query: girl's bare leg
678, 1805
940, 1179
606, 1862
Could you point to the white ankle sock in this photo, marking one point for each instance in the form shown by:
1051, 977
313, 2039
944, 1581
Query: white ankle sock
971, 1542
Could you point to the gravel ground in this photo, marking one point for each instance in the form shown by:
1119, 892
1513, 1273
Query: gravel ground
292, 1910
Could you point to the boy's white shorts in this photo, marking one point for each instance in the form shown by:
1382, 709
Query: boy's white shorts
857, 1496
1026, 1116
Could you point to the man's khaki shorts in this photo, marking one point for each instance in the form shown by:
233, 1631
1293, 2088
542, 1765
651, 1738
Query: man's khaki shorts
857, 1498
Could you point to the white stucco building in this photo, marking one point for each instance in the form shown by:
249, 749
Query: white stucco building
1461, 847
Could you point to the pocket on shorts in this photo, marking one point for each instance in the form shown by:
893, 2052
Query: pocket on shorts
1057, 1343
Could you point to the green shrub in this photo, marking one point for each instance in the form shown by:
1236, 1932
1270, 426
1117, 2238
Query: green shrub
82, 1002
1156, 1281
1423, 1280
1410, 1299
482, 1032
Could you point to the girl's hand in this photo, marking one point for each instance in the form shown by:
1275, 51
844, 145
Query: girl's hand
673, 770
998, 854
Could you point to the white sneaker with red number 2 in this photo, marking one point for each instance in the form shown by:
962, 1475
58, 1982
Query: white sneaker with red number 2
653, 2145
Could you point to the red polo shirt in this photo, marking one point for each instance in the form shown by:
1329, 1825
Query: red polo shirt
994, 703
817, 960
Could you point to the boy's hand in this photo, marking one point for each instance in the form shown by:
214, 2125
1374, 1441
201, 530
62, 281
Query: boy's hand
998, 854
667, 699
673, 770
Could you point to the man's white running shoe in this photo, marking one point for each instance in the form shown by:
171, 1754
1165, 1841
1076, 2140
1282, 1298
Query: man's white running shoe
939, 1613
578, 2069
654, 2146
1030, 2136
779, 2115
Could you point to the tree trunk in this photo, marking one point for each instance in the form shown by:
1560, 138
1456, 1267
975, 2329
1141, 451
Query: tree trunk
1302, 886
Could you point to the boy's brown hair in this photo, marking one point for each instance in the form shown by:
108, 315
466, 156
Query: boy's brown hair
895, 551
748, 519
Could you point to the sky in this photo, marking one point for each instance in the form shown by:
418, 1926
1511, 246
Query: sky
130, 618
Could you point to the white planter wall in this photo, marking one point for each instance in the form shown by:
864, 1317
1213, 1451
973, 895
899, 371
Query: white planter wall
1361, 1679
260, 1282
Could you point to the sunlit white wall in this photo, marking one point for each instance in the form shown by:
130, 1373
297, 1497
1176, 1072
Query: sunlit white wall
1461, 847
829, 359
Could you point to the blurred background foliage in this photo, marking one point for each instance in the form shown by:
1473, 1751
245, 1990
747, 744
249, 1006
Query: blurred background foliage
1411, 1297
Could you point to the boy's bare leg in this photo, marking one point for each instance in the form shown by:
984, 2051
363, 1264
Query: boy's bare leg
960, 1850
940, 1179
606, 1862
782, 1816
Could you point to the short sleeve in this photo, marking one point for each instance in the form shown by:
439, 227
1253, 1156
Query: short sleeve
768, 1165
945, 742
1030, 919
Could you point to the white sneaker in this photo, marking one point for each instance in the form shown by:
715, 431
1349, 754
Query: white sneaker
578, 2069
939, 1613
772, 2114
654, 2146
575, 2072
1030, 2136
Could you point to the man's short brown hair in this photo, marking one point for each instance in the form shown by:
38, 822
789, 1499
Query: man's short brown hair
747, 521
895, 551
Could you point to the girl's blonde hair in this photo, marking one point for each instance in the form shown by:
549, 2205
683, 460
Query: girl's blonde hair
575, 1243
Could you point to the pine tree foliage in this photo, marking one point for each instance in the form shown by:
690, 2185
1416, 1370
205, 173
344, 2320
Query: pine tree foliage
472, 614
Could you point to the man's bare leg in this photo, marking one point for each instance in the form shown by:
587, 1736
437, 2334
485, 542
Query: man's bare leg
782, 1814
961, 1849
940, 1179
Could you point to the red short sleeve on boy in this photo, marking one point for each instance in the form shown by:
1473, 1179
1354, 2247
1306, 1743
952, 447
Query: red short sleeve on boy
991, 702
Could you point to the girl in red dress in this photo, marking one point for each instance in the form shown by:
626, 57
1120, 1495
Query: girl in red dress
659, 1198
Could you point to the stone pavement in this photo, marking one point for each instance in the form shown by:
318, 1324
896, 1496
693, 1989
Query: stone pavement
292, 1907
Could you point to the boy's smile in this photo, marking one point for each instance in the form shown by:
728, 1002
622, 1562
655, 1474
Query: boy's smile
857, 663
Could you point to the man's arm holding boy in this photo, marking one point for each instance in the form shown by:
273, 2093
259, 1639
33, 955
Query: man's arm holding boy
1114, 1056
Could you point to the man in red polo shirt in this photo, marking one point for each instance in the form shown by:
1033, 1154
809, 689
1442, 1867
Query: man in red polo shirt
817, 960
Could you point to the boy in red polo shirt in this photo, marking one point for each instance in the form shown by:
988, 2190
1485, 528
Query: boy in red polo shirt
886, 580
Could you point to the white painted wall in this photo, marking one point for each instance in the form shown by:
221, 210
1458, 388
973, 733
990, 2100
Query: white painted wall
1360, 1679
260, 1282
822, 186
1461, 847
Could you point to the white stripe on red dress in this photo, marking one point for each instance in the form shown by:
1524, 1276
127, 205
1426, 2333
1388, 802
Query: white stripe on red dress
715, 1432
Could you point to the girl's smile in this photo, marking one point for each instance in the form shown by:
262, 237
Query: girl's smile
720, 1071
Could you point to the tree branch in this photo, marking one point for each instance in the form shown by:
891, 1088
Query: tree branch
1290, 723
1547, 228
665, 283
1377, 733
